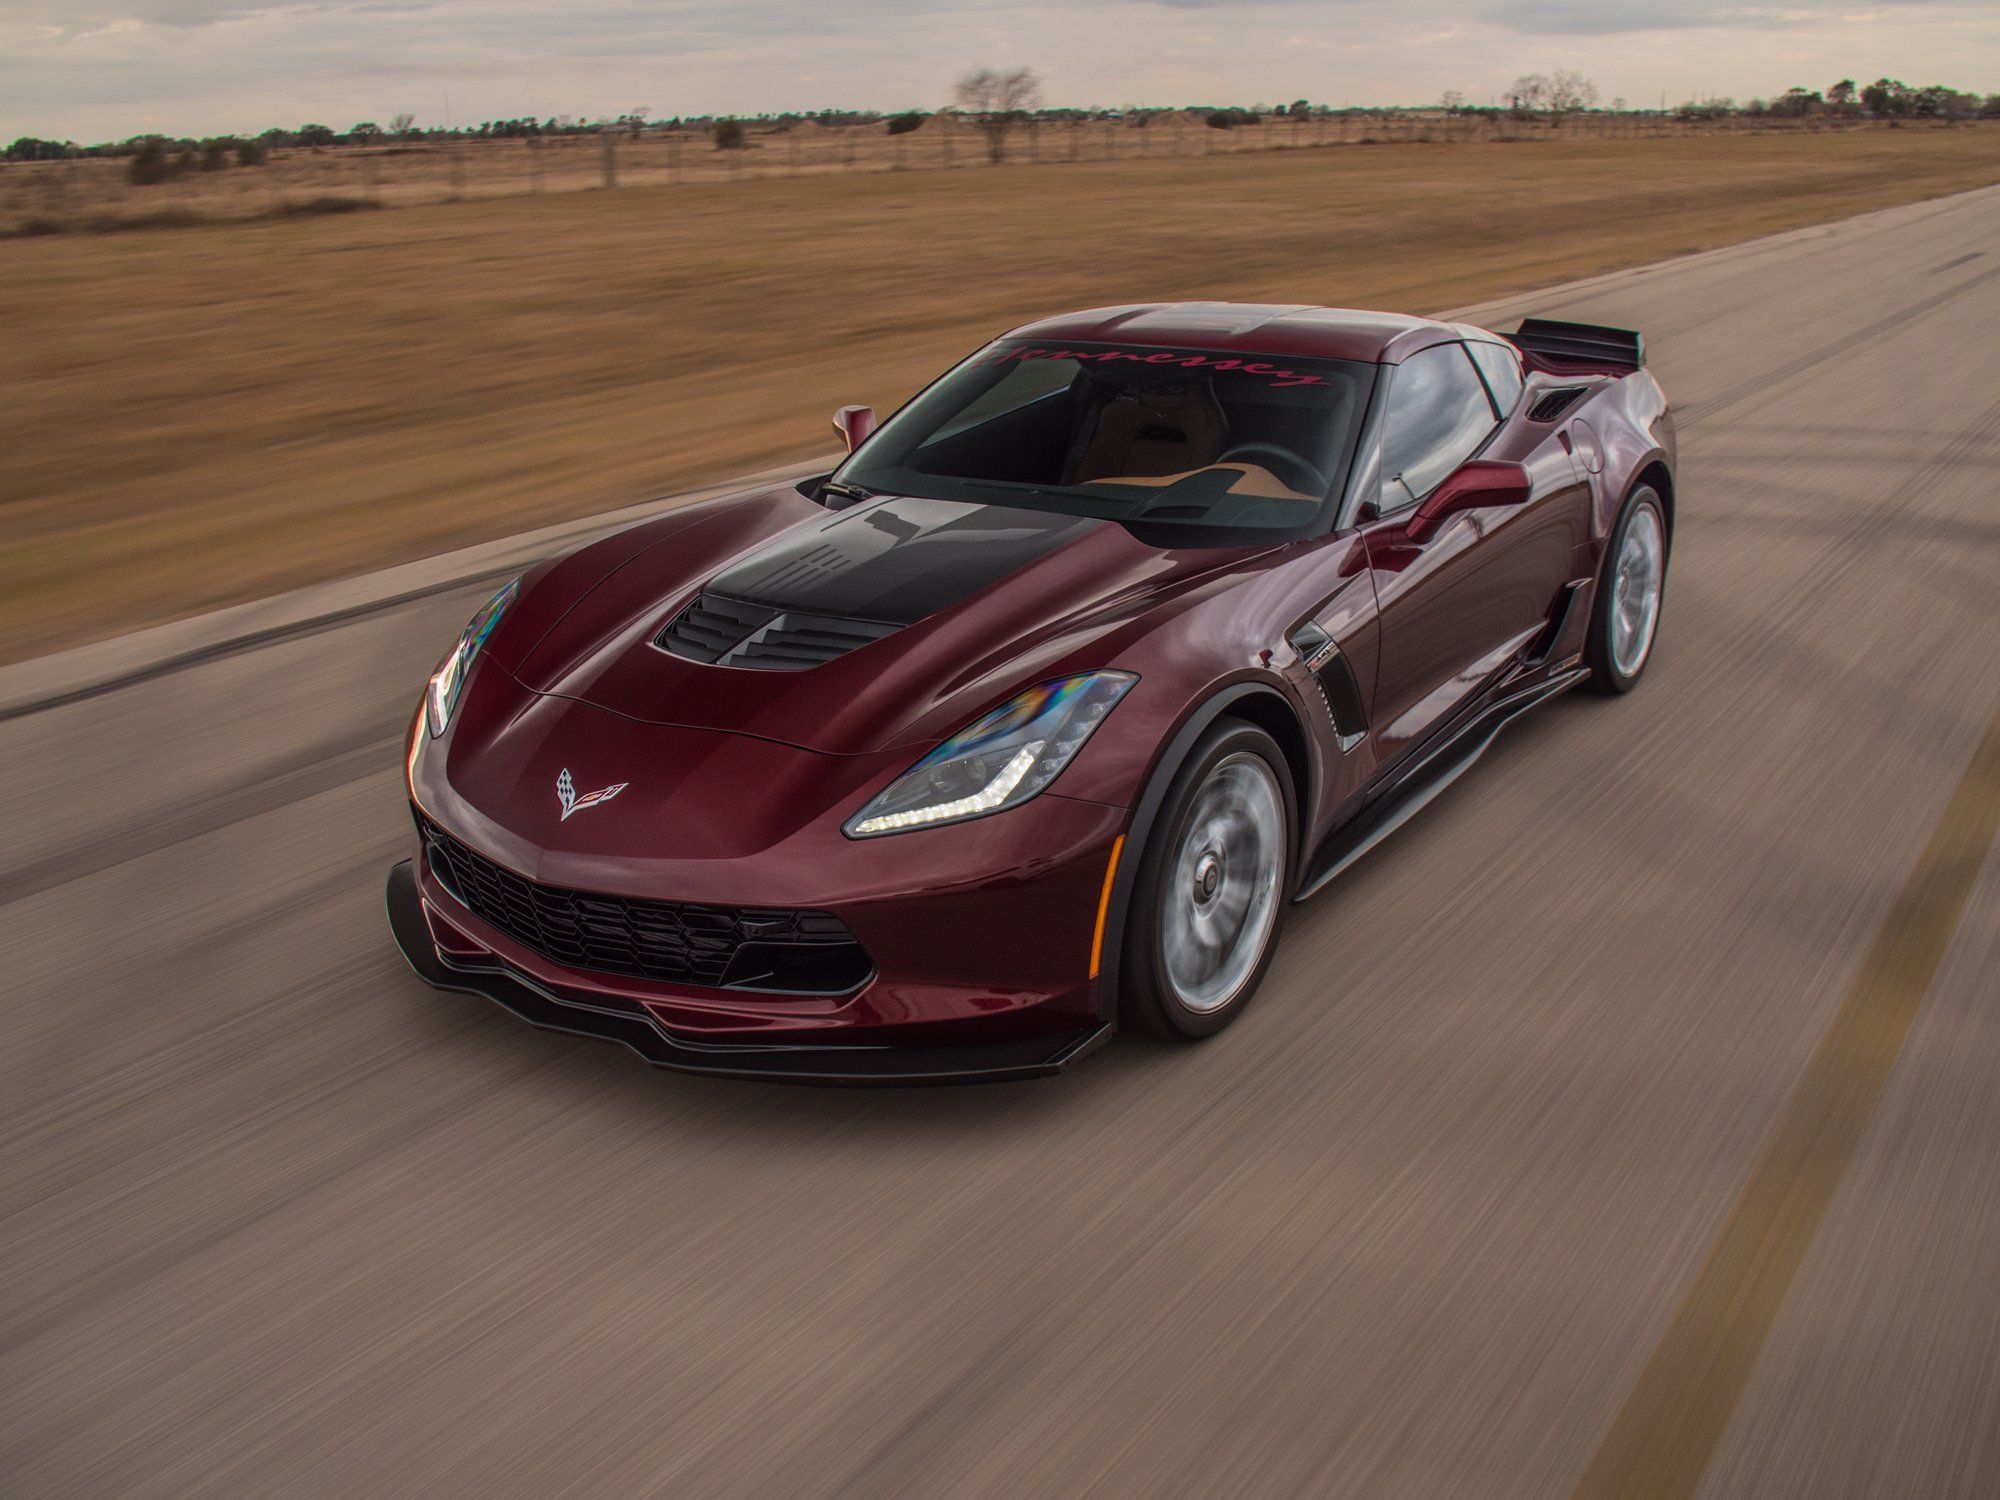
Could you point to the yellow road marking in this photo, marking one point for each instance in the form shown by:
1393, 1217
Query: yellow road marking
1662, 1439
1104, 906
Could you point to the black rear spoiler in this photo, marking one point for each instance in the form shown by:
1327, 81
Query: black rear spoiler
1575, 346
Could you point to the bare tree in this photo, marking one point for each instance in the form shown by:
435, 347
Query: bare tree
1453, 100
997, 102
1568, 92
1527, 94
401, 125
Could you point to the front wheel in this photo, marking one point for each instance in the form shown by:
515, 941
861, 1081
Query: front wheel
1212, 892
1626, 616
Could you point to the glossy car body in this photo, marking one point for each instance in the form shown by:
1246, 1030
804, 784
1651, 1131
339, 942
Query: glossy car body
1381, 649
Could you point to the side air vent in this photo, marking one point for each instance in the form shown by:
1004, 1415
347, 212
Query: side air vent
1335, 680
1553, 404
727, 632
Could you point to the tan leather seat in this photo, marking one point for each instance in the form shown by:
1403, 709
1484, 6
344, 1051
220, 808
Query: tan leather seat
1250, 479
1155, 432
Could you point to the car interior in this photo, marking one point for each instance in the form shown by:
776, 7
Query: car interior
1197, 442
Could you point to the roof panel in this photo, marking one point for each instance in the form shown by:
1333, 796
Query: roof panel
1262, 328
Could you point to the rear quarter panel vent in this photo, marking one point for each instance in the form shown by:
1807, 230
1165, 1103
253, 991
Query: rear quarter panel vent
1552, 404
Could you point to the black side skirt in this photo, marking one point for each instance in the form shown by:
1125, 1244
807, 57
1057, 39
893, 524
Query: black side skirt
1434, 769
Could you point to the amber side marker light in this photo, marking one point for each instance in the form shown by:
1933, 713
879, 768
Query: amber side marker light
1104, 906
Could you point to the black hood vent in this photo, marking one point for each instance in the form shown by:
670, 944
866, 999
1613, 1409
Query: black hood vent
725, 632
818, 592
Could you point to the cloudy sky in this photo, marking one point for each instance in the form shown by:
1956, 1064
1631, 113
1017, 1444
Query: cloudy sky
99, 69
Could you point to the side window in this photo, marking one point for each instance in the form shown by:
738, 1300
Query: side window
1502, 368
1437, 415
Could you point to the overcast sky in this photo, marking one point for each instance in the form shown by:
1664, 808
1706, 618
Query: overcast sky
101, 69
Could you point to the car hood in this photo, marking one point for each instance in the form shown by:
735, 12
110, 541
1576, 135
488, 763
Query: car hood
950, 605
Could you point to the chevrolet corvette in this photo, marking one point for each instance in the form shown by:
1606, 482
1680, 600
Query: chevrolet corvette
1030, 719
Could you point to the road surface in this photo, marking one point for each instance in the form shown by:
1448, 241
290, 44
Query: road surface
1630, 1123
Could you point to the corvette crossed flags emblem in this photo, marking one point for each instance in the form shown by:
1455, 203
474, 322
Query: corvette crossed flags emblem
571, 803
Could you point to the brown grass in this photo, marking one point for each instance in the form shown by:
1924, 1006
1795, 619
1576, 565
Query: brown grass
95, 195
207, 415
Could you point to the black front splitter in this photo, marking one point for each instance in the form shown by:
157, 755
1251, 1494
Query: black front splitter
857, 1065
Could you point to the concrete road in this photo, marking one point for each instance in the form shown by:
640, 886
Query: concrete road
1629, 1124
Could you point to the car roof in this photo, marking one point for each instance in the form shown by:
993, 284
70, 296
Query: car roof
1298, 330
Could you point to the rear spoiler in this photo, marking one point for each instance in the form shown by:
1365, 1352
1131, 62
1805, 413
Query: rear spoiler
1564, 348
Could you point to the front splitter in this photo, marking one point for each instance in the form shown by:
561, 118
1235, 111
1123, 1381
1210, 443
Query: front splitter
853, 1064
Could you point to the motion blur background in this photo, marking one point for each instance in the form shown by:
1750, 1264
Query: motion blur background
1629, 1126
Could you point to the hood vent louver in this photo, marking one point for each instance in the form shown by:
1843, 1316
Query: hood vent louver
724, 632
1552, 404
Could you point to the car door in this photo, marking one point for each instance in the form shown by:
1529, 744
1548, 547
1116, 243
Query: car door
1457, 609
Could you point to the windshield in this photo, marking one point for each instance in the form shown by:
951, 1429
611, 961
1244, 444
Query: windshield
1180, 438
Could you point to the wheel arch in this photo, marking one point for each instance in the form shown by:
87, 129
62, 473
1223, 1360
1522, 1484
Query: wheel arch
1656, 473
1255, 702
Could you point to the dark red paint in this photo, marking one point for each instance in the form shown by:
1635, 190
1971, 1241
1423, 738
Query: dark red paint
738, 781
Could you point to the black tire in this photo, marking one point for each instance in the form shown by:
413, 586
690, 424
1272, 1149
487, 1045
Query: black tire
1230, 755
1600, 652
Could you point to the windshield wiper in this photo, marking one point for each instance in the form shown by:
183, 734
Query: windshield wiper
846, 491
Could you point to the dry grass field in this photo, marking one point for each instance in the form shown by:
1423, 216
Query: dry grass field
206, 415
91, 195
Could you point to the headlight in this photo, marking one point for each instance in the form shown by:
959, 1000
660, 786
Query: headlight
999, 762
448, 681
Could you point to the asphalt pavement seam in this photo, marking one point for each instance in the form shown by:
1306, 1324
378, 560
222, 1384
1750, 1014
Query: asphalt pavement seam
1660, 1444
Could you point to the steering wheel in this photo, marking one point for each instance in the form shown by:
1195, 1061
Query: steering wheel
1284, 463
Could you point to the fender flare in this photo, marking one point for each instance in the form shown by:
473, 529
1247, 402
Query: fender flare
1146, 812
1609, 504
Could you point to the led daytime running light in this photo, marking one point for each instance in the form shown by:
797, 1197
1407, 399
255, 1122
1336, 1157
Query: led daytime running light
999, 761
985, 799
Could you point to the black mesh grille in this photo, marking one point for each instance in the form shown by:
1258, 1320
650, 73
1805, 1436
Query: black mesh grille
792, 952
734, 633
1553, 404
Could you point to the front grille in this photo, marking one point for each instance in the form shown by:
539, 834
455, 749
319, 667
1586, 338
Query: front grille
733, 947
1553, 404
726, 632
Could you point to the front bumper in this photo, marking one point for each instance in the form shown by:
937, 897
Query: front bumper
792, 1060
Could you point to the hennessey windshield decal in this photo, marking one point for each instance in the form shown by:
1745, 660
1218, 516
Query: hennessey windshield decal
1275, 375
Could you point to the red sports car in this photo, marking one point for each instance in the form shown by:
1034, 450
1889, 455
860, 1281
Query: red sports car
1030, 720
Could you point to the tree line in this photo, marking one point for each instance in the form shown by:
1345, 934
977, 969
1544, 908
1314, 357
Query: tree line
995, 102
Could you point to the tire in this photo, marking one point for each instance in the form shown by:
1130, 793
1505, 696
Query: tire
1200, 935
1623, 627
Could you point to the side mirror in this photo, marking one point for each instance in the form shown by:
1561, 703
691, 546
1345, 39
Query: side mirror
1474, 485
854, 423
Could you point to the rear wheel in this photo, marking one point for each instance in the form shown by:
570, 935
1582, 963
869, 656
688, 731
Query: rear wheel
1213, 887
1630, 594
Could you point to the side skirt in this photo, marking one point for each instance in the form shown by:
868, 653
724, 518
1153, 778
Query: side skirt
1436, 770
